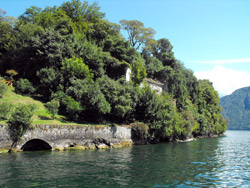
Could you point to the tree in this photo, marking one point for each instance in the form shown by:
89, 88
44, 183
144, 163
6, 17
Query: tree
138, 71
137, 33
19, 122
191, 84
53, 106
5, 110
208, 107
6, 32
73, 108
95, 103
161, 46
82, 12
153, 65
75, 68
91, 99
3, 87
24, 86
208, 97
92, 56
159, 113
118, 96
162, 50
12, 73
103, 30
49, 79
30, 15
49, 49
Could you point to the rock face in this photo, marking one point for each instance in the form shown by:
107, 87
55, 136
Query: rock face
69, 136
4, 137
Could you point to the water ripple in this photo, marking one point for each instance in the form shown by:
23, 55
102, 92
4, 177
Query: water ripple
215, 162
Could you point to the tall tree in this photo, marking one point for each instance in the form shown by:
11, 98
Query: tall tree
30, 15
74, 68
82, 12
6, 33
138, 34
162, 50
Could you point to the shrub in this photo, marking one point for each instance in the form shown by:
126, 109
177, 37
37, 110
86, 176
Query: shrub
11, 72
3, 87
53, 106
140, 131
119, 97
73, 108
91, 99
19, 122
49, 81
24, 86
5, 111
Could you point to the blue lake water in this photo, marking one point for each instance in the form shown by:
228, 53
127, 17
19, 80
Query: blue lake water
211, 162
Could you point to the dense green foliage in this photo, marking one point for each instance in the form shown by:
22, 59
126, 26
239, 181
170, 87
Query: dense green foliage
53, 106
3, 87
5, 111
73, 55
19, 122
24, 86
236, 109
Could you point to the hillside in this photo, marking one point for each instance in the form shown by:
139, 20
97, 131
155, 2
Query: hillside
10, 100
236, 108
75, 60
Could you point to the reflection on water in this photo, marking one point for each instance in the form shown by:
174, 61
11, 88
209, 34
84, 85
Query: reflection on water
234, 153
214, 162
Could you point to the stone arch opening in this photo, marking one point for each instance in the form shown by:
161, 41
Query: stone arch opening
36, 145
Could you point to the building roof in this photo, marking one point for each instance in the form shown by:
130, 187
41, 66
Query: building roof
153, 81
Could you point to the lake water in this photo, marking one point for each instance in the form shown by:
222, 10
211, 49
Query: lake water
212, 162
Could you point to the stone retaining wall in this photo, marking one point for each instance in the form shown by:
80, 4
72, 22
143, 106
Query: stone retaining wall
64, 136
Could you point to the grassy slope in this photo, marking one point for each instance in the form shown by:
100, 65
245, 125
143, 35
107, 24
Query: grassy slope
41, 114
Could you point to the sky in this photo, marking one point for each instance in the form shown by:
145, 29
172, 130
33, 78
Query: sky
210, 37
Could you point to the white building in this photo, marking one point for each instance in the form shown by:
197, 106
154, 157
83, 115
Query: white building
153, 84
128, 75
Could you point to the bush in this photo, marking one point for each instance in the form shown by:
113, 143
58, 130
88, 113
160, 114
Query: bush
119, 97
73, 108
24, 86
5, 111
3, 87
91, 99
140, 131
19, 122
49, 81
53, 106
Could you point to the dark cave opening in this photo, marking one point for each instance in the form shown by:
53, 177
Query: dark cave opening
36, 145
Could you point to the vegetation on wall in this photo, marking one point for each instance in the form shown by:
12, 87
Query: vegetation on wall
75, 60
